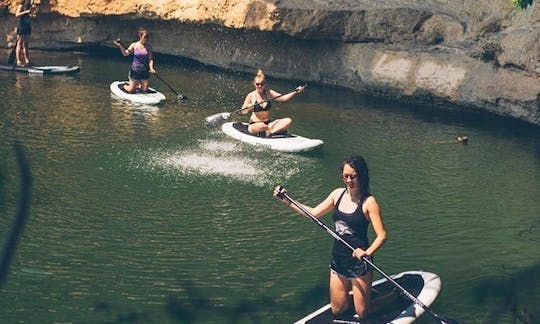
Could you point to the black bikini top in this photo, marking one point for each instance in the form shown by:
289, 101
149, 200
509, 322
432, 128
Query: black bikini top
257, 107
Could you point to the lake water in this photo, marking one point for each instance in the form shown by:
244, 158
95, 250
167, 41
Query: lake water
142, 214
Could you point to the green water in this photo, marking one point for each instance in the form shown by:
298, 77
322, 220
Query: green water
142, 214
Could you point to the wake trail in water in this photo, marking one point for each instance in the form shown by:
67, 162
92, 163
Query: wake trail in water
229, 160
209, 164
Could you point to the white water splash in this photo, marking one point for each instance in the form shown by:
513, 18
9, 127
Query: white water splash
210, 157
210, 164
230, 160
219, 146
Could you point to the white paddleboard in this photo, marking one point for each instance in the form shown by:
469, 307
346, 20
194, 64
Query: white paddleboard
425, 286
290, 143
151, 97
41, 69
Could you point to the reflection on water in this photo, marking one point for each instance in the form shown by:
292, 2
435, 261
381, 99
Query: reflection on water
135, 108
129, 118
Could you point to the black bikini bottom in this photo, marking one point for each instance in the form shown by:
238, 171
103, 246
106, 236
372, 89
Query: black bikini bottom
266, 122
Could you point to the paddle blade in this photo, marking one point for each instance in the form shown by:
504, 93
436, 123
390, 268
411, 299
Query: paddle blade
216, 120
445, 320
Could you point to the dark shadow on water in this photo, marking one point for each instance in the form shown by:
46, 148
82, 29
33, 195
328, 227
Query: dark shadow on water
197, 305
516, 295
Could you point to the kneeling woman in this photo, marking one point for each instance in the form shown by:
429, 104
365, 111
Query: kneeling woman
143, 62
258, 102
353, 209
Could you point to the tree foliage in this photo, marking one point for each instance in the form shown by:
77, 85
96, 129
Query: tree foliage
522, 4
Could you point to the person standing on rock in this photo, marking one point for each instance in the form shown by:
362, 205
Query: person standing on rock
142, 64
25, 11
258, 102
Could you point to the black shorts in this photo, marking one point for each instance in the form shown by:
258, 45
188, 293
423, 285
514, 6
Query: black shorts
350, 267
139, 75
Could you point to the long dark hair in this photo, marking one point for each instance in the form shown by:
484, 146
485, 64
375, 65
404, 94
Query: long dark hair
360, 166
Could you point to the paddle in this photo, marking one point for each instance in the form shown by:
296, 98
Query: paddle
179, 96
442, 319
219, 118
11, 59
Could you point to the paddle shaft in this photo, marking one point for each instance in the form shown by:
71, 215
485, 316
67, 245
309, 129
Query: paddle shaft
178, 95
268, 100
337, 237
11, 59
219, 118
168, 85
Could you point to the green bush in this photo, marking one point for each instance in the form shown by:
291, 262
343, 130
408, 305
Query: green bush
522, 4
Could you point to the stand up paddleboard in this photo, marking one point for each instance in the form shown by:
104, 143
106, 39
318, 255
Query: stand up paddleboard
387, 303
151, 97
41, 69
289, 143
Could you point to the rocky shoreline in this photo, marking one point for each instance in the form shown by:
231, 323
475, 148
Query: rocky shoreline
485, 60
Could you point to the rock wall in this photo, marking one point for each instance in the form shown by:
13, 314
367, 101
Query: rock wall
479, 54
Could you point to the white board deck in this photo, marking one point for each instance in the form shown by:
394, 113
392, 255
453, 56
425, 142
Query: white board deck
425, 286
152, 97
41, 69
290, 143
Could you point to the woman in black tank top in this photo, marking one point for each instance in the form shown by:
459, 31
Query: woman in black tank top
258, 103
25, 11
354, 208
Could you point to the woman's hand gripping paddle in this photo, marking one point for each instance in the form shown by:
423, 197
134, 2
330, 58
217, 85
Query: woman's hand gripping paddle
282, 194
219, 118
179, 97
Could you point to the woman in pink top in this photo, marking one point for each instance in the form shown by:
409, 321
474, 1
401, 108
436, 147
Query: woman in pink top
142, 64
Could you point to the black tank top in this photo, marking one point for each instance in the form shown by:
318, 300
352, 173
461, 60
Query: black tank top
350, 227
24, 20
